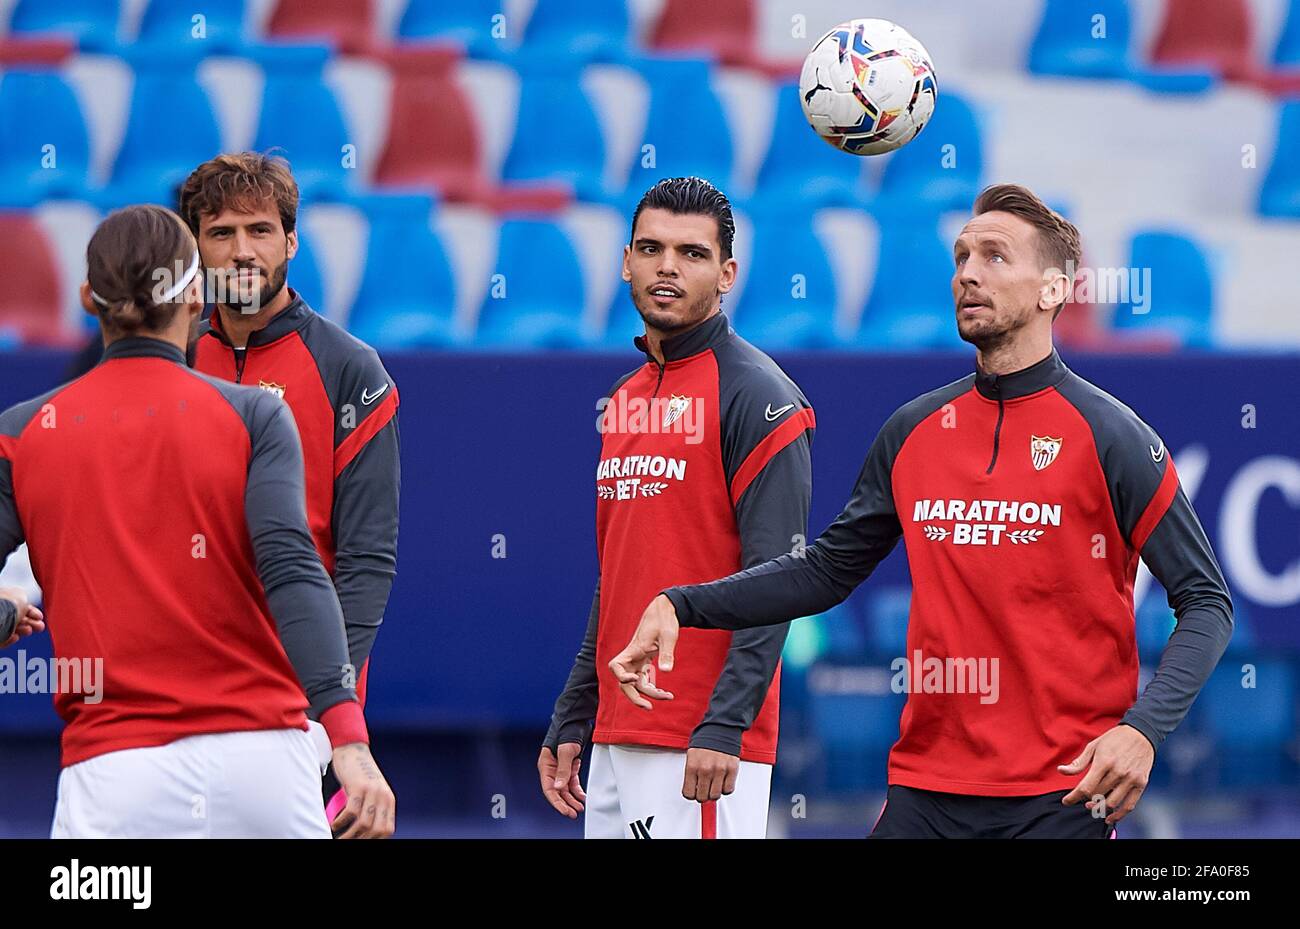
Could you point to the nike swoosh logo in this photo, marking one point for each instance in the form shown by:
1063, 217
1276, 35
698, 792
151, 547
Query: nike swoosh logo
772, 415
1157, 456
368, 398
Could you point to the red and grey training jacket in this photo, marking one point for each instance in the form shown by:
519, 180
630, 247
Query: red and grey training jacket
164, 515
705, 467
345, 407
1024, 501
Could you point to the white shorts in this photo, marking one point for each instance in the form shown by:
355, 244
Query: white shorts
635, 792
259, 784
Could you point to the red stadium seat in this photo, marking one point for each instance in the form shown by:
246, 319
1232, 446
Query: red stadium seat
30, 301
725, 28
36, 52
349, 25
433, 139
1217, 34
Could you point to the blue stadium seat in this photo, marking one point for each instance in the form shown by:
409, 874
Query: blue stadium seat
543, 291
466, 22
789, 298
1251, 726
301, 116
1065, 44
943, 165
686, 125
1181, 300
147, 171
93, 23
1287, 51
578, 28
800, 168
911, 305
557, 137
304, 273
44, 149
407, 296
1280, 193
171, 22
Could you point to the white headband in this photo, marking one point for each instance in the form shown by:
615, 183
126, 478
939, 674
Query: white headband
170, 294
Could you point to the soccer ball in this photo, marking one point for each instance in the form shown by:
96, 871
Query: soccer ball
868, 87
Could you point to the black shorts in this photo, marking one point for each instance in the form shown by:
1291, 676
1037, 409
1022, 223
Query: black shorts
910, 813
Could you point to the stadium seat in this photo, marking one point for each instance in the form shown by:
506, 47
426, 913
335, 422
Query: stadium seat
1287, 51
799, 168
1217, 34
1279, 195
686, 127
26, 53
304, 273
536, 298
30, 302
146, 171
725, 29
943, 165
1066, 43
1181, 297
407, 295
789, 299
552, 97
578, 29
44, 151
348, 25
301, 116
432, 137
910, 306
92, 23
171, 22
467, 23
1250, 725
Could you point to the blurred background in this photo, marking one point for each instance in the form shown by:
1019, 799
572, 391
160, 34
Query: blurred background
468, 172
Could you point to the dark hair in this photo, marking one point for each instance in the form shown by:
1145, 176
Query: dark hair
137, 253
691, 195
241, 181
1058, 238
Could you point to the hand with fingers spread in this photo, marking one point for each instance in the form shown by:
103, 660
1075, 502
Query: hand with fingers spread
559, 774
28, 619
371, 811
710, 775
634, 666
1119, 766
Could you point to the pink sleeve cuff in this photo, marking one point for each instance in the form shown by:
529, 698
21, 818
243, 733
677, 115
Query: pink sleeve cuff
345, 723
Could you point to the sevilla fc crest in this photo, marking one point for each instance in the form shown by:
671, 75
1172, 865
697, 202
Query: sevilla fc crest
676, 407
277, 389
1043, 450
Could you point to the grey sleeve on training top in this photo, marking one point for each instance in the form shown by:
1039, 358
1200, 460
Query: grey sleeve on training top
298, 591
575, 708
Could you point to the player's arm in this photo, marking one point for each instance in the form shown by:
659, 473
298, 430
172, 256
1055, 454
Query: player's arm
560, 760
768, 463
822, 575
367, 481
307, 615
1159, 523
18, 618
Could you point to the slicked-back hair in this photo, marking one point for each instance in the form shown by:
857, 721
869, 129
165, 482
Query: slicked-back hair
691, 195
131, 251
1058, 238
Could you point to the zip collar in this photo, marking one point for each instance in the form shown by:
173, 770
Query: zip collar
292, 318
712, 332
138, 346
1047, 373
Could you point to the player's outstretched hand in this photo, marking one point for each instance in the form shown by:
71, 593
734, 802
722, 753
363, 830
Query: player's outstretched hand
559, 776
371, 811
709, 774
656, 635
30, 619
1121, 760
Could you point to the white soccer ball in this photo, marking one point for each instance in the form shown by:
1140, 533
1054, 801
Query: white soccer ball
868, 87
